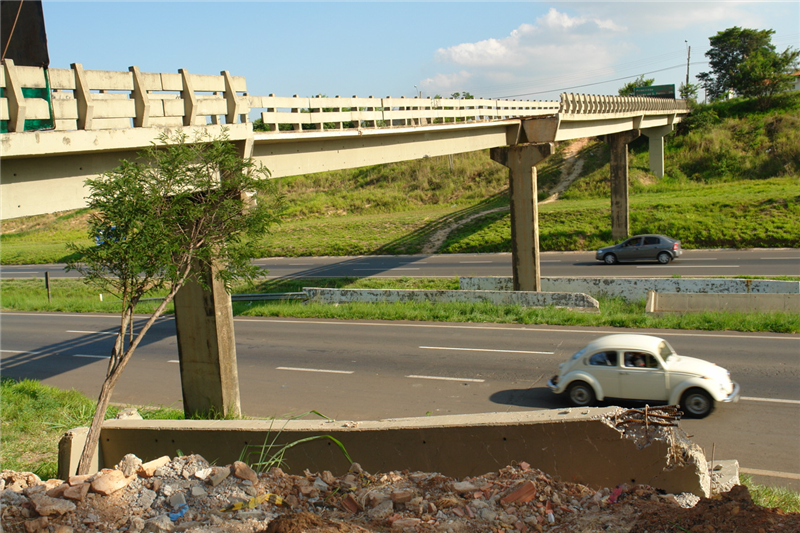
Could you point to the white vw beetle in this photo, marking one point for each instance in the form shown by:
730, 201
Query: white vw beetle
643, 367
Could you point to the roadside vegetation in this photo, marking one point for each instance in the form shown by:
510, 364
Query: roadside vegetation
71, 295
36, 415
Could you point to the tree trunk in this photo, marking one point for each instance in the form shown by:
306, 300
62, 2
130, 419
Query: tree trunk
93, 437
119, 361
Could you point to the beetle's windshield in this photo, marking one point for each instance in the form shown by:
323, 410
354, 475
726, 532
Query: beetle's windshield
665, 350
578, 354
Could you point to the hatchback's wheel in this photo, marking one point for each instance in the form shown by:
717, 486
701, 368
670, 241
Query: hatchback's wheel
697, 403
610, 259
581, 394
664, 258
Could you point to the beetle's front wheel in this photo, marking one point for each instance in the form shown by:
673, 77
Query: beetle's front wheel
581, 394
697, 403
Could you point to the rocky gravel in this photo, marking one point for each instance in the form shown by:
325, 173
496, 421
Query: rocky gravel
187, 494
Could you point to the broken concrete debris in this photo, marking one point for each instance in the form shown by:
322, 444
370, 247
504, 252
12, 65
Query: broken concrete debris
187, 494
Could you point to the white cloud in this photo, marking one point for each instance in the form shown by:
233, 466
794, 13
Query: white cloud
555, 43
528, 43
445, 83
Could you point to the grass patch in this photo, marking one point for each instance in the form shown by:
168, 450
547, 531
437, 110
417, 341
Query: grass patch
785, 499
36, 415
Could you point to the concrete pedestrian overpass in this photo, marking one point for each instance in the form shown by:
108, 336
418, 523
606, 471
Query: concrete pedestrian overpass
99, 117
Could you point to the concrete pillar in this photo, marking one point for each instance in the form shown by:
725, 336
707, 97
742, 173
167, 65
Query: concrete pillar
656, 148
207, 347
620, 225
521, 160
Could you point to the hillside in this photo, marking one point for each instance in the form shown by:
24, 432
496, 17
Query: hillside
732, 180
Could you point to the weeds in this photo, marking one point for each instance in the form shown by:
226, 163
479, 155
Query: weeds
271, 453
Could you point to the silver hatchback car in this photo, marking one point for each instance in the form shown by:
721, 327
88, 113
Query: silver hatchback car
641, 248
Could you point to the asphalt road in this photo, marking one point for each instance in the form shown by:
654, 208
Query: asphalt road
360, 370
705, 263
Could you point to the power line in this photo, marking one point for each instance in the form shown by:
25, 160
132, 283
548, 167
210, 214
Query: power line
600, 82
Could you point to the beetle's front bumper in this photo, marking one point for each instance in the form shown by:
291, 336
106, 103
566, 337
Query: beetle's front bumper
733, 396
552, 383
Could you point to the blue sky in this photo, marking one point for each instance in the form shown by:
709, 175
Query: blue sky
519, 50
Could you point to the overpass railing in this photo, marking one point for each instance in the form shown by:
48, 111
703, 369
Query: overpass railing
78, 99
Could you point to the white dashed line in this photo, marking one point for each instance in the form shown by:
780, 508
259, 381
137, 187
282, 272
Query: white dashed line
412, 376
481, 350
772, 400
314, 370
691, 266
91, 332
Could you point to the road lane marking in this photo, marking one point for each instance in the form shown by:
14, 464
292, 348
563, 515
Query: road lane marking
300, 264
780, 258
173, 361
91, 356
773, 400
507, 329
481, 350
697, 259
692, 266
390, 269
473, 262
91, 332
770, 473
412, 376
314, 370
26, 352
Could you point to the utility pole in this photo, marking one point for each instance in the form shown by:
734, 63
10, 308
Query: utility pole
688, 57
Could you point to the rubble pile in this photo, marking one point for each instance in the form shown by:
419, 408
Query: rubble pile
187, 494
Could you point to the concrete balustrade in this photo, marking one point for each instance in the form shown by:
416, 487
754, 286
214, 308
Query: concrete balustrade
100, 99
97, 99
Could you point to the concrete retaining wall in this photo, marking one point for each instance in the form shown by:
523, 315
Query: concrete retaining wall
634, 289
684, 302
496, 297
579, 445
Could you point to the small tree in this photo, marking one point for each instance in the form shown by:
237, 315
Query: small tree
156, 220
688, 92
745, 62
627, 89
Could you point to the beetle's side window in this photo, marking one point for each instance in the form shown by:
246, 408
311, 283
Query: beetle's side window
640, 360
604, 359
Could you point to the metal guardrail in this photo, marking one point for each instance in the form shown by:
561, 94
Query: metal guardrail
269, 296
250, 297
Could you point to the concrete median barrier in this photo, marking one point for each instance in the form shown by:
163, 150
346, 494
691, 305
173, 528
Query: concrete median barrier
634, 289
496, 297
743, 303
598, 447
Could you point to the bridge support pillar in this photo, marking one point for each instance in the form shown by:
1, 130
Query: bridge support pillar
207, 346
656, 147
521, 160
620, 224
